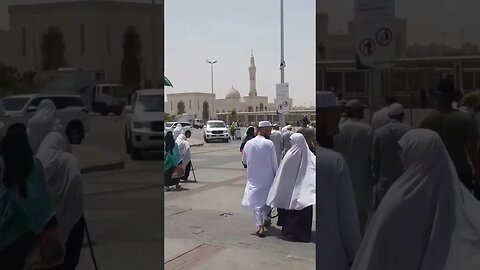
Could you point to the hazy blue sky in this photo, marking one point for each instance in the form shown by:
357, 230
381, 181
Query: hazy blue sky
427, 20
226, 30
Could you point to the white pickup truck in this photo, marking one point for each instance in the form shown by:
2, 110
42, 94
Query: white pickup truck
71, 112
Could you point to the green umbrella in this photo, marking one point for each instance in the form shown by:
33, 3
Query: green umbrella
167, 82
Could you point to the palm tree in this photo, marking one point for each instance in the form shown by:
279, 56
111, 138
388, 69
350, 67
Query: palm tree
180, 108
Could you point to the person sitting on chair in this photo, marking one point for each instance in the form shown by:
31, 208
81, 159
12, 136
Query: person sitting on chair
184, 150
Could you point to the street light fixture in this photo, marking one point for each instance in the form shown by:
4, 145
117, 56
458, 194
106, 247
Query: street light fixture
213, 96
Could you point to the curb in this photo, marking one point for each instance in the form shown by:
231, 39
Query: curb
196, 145
105, 167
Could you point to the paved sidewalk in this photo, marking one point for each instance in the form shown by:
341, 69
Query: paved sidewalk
96, 159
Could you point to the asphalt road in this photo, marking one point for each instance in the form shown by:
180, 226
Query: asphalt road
124, 208
207, 228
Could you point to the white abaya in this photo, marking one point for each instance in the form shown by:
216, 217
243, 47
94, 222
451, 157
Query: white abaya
42, 123
276, 138
338, 230
63, 177
177, 131
184, 149
294, 184
427, 220
354, 142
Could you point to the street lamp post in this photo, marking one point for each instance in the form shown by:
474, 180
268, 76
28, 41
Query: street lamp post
213, 96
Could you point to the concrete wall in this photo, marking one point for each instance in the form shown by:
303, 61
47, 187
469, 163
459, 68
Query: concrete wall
96, 17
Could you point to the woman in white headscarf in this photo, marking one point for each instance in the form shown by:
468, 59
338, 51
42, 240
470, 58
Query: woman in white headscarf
427, 219
63, 177
293, 190
184, 150
177, 131
42, 123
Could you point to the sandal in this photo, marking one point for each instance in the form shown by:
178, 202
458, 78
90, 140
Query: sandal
261, 235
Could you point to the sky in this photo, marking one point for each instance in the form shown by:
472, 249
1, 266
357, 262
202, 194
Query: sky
227, 30
427, 20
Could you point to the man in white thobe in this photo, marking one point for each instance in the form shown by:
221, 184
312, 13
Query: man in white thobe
276, 138
262, 165
354, 141
286, 143
386, 161
338, 231
380, 118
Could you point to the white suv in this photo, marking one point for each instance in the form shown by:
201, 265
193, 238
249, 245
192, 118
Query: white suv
144, 130
216, 130
70, 111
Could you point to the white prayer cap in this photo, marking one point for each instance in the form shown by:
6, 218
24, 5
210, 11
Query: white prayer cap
264, 124
326, 99
395, 109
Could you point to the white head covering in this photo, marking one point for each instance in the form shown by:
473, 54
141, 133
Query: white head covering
42, 123
294, 184
177, 131
264, 124
184, 149
63, 177
427, 219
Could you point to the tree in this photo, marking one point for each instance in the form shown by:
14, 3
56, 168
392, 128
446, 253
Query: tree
205, 112
131, 63
234, 115
53, 49
180, 108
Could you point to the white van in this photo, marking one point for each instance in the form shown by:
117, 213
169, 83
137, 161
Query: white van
109, 98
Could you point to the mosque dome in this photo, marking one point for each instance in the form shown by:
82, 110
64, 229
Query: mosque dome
232, 93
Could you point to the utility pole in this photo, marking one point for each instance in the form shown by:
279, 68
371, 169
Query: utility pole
282, 58
154, 47
213, 95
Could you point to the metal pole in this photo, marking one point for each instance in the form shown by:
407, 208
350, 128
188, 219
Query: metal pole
213, 96
154, 48
282, 58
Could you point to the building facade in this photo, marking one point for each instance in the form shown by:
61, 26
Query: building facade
196, 102
93, 34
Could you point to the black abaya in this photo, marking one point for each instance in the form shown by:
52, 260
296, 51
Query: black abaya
297, 223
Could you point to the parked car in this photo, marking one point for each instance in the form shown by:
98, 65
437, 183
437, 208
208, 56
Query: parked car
216, 130
198, 123
186, 127
144, 130
71, 112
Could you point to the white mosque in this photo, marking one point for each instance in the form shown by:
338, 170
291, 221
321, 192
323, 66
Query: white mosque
248, 109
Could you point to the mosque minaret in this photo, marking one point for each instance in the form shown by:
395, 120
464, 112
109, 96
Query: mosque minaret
253, 80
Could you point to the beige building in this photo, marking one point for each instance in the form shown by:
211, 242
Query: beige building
193, 102
93, 35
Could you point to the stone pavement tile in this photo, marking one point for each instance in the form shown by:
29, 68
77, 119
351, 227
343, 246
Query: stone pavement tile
243, 258
218, 154
231, 230
124, 256
205, 175
224, 198
96, 188
232, 165
175, 247
185, 187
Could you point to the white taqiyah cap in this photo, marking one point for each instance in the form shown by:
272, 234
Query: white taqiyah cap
326, 99
395, 109
264, 124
